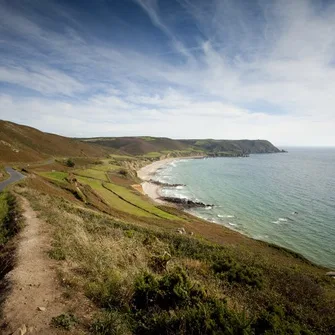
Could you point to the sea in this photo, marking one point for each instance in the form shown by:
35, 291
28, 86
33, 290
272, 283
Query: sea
285, 198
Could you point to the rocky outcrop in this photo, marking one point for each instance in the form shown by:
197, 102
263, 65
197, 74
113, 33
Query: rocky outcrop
185, 203
159, 183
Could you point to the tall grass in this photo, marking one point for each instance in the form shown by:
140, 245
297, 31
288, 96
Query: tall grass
202, 288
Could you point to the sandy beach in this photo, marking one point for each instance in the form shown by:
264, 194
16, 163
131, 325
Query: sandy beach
146, 173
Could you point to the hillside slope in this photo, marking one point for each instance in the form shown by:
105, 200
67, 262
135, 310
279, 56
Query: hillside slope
145, 145
242, 146
139, 145
20, 143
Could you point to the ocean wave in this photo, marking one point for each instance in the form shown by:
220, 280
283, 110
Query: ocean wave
232, 224
281, 220
226, 216
179, 187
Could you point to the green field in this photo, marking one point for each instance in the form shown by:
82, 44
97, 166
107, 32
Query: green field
91, 173
113, 200
152, 154
56, 175
138, 201
105, 167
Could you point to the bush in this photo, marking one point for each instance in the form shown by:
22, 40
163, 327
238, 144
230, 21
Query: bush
173, 304
123, 172
110, 323
57, 253
64, 321
234, 272
111, 292
274, 320
69, 162
9, 217
172, 290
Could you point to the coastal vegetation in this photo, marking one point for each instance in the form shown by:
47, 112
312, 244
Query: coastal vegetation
10, 225
3, 173
144, 280
126, 265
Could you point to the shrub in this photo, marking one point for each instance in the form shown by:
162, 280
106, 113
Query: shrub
110, 323
159, 263
234, 272
111, 292
57, 253
123, 172
172, 290
9, 217
64, 321
274, 320
69, 162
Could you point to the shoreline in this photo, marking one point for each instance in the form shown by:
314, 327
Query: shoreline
152, 190
147, 172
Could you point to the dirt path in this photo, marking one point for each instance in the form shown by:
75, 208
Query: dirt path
35, 297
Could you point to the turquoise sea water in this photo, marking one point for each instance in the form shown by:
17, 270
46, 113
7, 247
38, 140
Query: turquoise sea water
287, 199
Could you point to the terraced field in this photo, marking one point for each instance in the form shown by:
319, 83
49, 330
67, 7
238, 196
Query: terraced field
55, 175
91, 173
137, 200
118, 197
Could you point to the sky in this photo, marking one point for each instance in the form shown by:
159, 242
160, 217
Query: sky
224, 69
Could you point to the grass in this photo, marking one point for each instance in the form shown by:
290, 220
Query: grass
153, 154
64, 321
55, 175
106, 167
91, 173
123, 157
203, 288
10, 225
8, 212
113, 200
3, 173
138, 201
133, 204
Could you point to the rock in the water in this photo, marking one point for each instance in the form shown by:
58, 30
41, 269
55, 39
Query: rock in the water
157, 182
186, 203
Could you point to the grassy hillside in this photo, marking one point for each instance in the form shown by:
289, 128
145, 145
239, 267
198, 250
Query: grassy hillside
241, 146
122, 258
139, 145
121, 254
144, 278
155, 146
25, 144
20, 143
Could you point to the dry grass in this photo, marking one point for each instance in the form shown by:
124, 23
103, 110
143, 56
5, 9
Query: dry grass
3, 173
102, 257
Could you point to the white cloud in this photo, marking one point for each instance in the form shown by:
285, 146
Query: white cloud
285, 61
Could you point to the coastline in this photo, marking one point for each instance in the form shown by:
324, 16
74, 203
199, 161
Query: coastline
153, 191
147, 172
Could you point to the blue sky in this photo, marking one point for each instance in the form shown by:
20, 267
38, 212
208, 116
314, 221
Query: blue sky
175, 68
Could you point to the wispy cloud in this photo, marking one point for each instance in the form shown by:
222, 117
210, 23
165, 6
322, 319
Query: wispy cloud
258, 70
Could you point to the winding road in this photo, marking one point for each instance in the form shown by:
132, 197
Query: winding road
14, 176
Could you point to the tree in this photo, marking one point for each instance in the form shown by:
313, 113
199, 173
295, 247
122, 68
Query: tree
69, 162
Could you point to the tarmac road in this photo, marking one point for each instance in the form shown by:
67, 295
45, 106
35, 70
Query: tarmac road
14, 176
